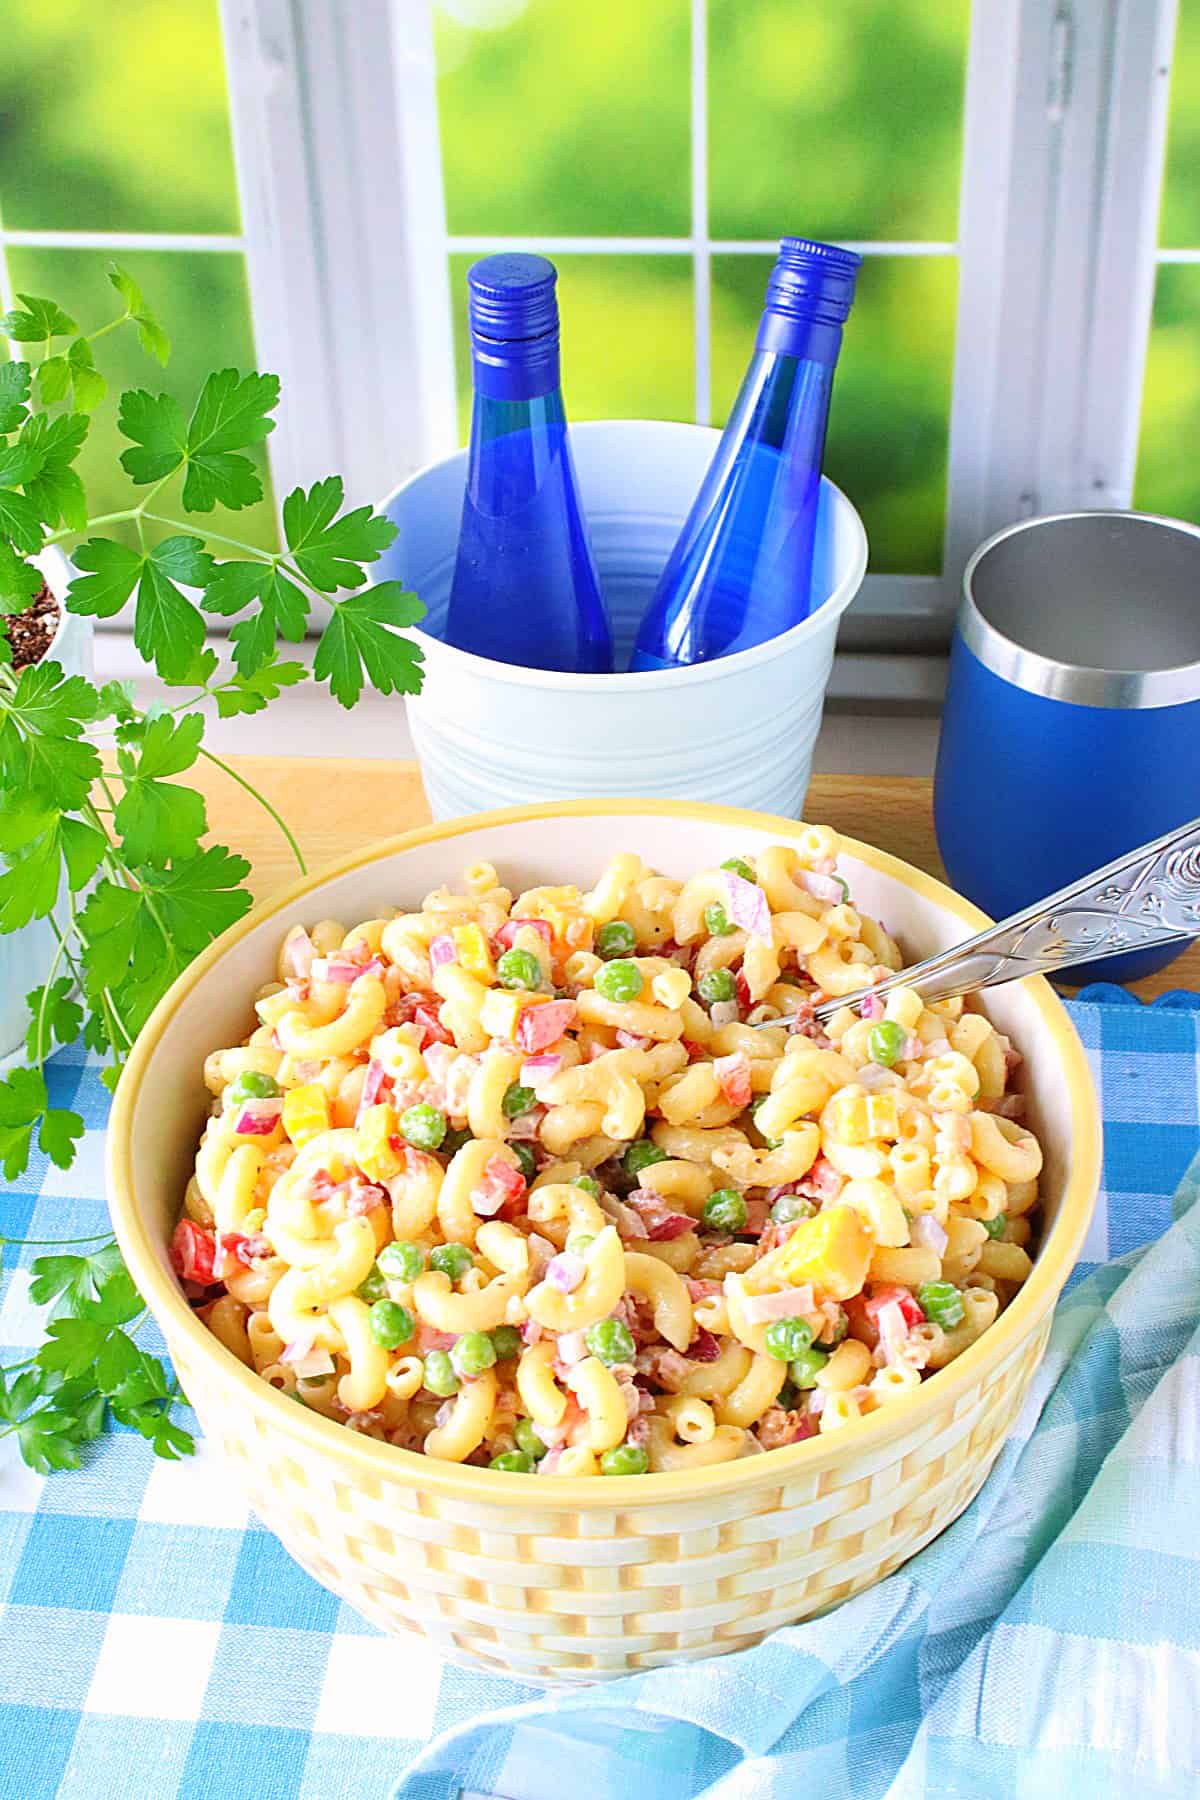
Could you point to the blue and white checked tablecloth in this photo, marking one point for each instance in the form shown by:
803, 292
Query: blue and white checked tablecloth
158, 1645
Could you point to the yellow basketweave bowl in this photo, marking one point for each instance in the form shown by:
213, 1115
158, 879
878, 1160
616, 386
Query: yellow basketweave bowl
586, 1578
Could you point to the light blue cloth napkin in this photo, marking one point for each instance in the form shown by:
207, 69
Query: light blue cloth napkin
1047, 1644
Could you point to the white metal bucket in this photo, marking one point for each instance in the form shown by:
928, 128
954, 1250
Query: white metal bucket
739, 731
27, 955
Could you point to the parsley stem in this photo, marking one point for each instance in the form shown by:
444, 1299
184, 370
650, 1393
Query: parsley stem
40, 1048
103, 330
263, 802
215, 537
98, 1237
113, 518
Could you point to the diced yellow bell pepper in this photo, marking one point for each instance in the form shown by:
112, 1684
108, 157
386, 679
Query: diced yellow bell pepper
501, 1010
846, 1119
473, 953
883, 1119
305, 1112
832, 1250
374, 1150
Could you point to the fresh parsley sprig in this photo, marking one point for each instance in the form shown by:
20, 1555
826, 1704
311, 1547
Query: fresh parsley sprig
98, 832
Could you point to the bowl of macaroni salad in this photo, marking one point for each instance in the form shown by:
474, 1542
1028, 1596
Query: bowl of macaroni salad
542, 1302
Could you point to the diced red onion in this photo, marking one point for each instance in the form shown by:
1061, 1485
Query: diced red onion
825, 888
939, 1047
874, 1076
442, 950
870, 1007
571, 1347
913, 1048
927, 1231
317, 1362
748, 905
525, 1129
566, 1271
537, 1071
298, 1348
258, 1118
631, 1040
725, 1012
893, 1331
298, 954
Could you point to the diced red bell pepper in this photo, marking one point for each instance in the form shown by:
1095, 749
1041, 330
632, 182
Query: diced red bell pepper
506, 1175
432, 1029
909, 1306
742, 987
193, 1251
540, 1026
507, 934
377, 1079
733, 1073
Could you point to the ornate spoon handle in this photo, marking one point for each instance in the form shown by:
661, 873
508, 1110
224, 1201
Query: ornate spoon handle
1151, 896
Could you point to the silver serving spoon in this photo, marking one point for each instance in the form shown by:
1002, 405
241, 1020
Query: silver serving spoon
1151, 896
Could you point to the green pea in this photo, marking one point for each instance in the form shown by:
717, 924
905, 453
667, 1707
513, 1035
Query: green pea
790, 1207
739, 866
624, 1459
885, 1041
519, 969
941, 1303
454, 1140
725, 1210
391, 1324
528, 1440
506, 1341
807, 1366
517, 1100
716, 920
252, 1085
472, 1354
620, 981
513, 1462
526, 1161
451, 1259
786, 1339
611, 1341
423, 1126
996, 1227
617, 938
716, 984
401, 1261
589, 1184
373, 1286
640, 1156
440, 1378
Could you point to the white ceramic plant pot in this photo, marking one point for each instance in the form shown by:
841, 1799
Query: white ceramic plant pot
26, 955
739, 731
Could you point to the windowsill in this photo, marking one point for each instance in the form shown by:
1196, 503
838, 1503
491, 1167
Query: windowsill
880, 716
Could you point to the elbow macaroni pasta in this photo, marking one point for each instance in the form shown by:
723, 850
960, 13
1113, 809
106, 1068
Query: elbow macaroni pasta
469, 1188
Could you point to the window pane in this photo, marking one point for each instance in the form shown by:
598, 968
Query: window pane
627, 337
839, 122
202, 301
891, 399
1180, 224
560, 118
115, 118
1168, 475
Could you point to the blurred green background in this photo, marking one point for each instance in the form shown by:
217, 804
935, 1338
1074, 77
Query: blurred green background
559, 119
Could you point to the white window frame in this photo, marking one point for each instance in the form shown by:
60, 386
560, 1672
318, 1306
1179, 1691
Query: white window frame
334, 119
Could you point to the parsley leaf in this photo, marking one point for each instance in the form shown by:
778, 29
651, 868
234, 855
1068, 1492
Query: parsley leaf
283, 611
198, 899
113, 572
29, 885
357, 638
230, 415
250, 693
72, 1343
157, 427
168, 629
41, 757
158, 820
151, 336
56, 490
73, 372
19, 520
20, 582
36, 321
328, 551
14, 393
46, 1440
23, 1101
61, 1018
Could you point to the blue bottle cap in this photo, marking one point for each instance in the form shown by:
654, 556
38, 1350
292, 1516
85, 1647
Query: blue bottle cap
512, 312
810, 292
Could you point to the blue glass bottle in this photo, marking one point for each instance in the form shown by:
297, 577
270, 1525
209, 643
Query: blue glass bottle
741, 569
525, 587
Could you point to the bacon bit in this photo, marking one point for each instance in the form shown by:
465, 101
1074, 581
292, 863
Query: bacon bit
742, 987
776, 1234
506, 937
694, 1051
704, 1347
778, 1427
428, 1339
321, 1186
193, 1252
1008, 1106
733, 1074
671, 1225
364, 1197
639, 1431
757, 1215
628, 1221
702, 1290
823, 1183
862, 1325
667, 1367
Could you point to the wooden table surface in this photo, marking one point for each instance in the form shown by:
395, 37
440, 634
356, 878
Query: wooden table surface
336, 805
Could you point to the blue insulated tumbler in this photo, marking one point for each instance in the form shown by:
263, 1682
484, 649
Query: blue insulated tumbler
1071, 729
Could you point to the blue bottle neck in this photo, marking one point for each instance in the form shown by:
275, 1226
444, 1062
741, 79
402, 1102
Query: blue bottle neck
515, 371
808, 340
